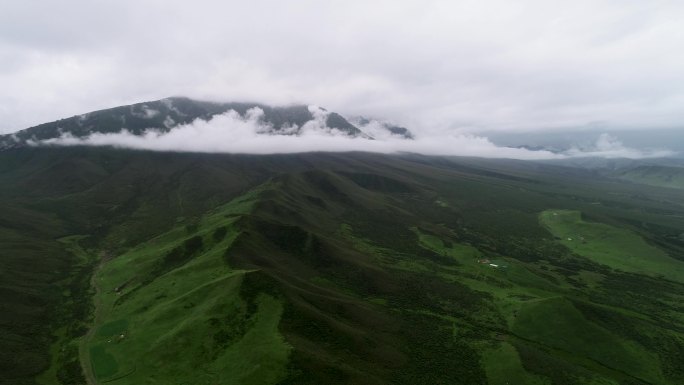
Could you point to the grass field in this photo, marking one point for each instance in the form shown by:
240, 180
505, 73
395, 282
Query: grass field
663, 176
615, 247
167, 322
556, 323
538, 309
525, 301
503, 367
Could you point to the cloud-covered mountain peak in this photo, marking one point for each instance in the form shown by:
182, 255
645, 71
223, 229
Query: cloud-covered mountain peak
186, 125
163, 115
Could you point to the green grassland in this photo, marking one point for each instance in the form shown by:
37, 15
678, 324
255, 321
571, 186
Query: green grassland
339, 269
664, 176
183, 320
536, 310
505, 368
618, 248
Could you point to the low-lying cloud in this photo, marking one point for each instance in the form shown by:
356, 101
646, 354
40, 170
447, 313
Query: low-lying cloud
608, 146
248, 134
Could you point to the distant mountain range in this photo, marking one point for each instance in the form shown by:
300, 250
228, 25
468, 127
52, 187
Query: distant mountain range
165, 114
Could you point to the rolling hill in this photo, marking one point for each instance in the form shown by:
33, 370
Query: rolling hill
130, 267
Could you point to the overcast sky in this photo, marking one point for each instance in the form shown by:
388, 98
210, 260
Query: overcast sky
463, 66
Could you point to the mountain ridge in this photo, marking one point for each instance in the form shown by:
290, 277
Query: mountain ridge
166, 114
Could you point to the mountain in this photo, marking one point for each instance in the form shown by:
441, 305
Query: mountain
163, 115
129, 267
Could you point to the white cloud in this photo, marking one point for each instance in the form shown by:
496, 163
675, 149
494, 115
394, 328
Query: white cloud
608, 146
233, 133
375, 129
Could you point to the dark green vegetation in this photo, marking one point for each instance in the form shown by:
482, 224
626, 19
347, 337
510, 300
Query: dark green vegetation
334, 269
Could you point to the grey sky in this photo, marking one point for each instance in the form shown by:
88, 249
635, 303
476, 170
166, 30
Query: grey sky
431, 65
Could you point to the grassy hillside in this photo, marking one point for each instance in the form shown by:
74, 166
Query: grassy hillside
616, 247
184, 315
345, 269
664, 176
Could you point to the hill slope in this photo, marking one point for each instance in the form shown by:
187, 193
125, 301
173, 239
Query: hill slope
655, 175
330, 268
